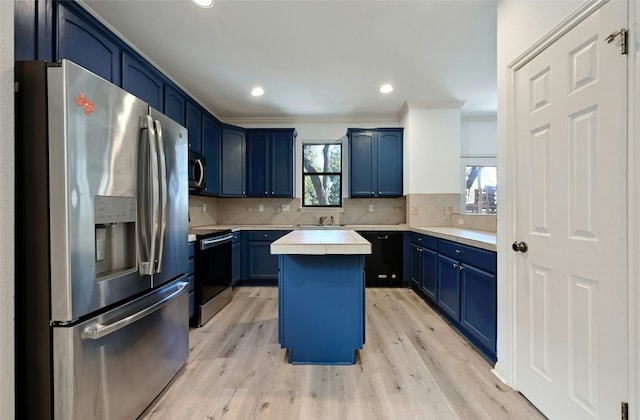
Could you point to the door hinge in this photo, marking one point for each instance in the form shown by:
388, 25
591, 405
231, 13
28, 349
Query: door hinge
624, 411
622, 33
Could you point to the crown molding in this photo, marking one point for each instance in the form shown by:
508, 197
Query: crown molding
320, 119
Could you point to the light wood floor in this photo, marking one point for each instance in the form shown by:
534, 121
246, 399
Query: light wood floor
413, 366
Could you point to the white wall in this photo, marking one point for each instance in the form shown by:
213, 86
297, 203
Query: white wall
520, 24
7, 409
479, 136
431, 150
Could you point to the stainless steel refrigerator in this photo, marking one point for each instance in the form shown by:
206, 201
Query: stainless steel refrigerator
101, 249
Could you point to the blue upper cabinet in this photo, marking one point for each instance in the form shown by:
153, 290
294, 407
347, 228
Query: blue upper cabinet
88, 45
375, 158
270, 164
143, 81
211, 132
174, 105
194, 126
233, 162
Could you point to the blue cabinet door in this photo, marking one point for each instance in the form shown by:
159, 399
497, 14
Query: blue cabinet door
361, 159
479, 302
429, 279
211, 132
258, 184
194, 126
174, 105
233, 162
415, 264
389, 163
235, 263
87, 45
282, 163
262, 264
449, 286
142, 81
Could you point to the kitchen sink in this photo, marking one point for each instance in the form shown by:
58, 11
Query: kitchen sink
319, 226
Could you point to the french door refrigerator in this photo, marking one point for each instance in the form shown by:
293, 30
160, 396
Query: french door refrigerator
101, 246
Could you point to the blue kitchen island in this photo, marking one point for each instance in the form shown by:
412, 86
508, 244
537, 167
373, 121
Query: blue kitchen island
321, 295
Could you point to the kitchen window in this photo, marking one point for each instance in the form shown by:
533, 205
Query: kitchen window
479, 192
321, 175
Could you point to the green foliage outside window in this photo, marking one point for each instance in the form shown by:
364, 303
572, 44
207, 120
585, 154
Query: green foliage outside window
322, 175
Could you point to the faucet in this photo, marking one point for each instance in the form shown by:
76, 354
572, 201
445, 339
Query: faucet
321, 220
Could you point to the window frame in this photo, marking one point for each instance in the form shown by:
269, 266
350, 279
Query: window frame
473, 161
340, 174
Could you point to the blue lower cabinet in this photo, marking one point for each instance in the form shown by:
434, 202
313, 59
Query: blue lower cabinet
262, 266
321, 308
478, 307
449, 286
429, 278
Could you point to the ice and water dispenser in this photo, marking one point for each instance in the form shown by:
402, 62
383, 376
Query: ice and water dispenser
115, 235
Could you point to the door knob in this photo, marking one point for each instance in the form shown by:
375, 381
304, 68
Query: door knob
520, 246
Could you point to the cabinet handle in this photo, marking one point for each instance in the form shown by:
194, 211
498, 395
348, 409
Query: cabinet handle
460, 268
455, 265
458, 251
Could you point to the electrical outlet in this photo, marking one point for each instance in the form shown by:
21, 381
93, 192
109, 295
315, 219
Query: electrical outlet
370, 208
448, 210
413, 210
260, 208
285, 207
461, 222
204, 207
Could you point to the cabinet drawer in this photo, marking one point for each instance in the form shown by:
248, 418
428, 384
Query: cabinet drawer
477, 257
191, 249
424, 241
265, 235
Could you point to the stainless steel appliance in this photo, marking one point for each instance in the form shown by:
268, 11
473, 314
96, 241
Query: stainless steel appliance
212, 275
197, 171
101, 210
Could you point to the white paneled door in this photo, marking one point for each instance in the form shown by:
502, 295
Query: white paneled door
571, 283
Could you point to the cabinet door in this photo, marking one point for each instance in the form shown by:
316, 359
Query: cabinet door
449, 286
174, 105
211, 131
389, 163
361, 159
415, 264
262, 264
429, 280
142, 81
257, 166
235, 263
87, 45
281, 173
478, 299
233, 162
194, 126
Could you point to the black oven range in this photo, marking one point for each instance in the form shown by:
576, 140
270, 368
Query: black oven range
212, 275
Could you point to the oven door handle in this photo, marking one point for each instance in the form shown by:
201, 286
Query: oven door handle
208, 243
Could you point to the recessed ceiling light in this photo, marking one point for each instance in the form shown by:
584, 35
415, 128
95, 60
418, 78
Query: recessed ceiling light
203, 3
386, 88
257, 91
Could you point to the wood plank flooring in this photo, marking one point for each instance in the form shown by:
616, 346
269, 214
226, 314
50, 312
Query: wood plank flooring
413, 366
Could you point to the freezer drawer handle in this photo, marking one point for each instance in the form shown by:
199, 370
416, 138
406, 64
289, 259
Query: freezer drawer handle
96, 331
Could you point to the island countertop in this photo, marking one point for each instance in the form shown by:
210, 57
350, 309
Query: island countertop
321, 242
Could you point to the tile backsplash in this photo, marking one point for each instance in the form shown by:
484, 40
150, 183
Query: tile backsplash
413, 209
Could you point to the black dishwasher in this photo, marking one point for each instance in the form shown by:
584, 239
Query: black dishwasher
383, 267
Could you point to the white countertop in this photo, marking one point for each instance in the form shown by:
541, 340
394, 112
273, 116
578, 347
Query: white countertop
478, 238
321, 242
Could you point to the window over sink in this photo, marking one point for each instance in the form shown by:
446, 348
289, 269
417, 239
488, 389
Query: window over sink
321, 174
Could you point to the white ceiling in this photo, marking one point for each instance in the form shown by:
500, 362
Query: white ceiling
317, 59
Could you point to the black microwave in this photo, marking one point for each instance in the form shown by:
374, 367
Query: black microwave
197, 171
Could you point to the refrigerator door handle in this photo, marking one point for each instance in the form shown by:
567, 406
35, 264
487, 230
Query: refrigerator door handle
162, 169
148, 206
96, 331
